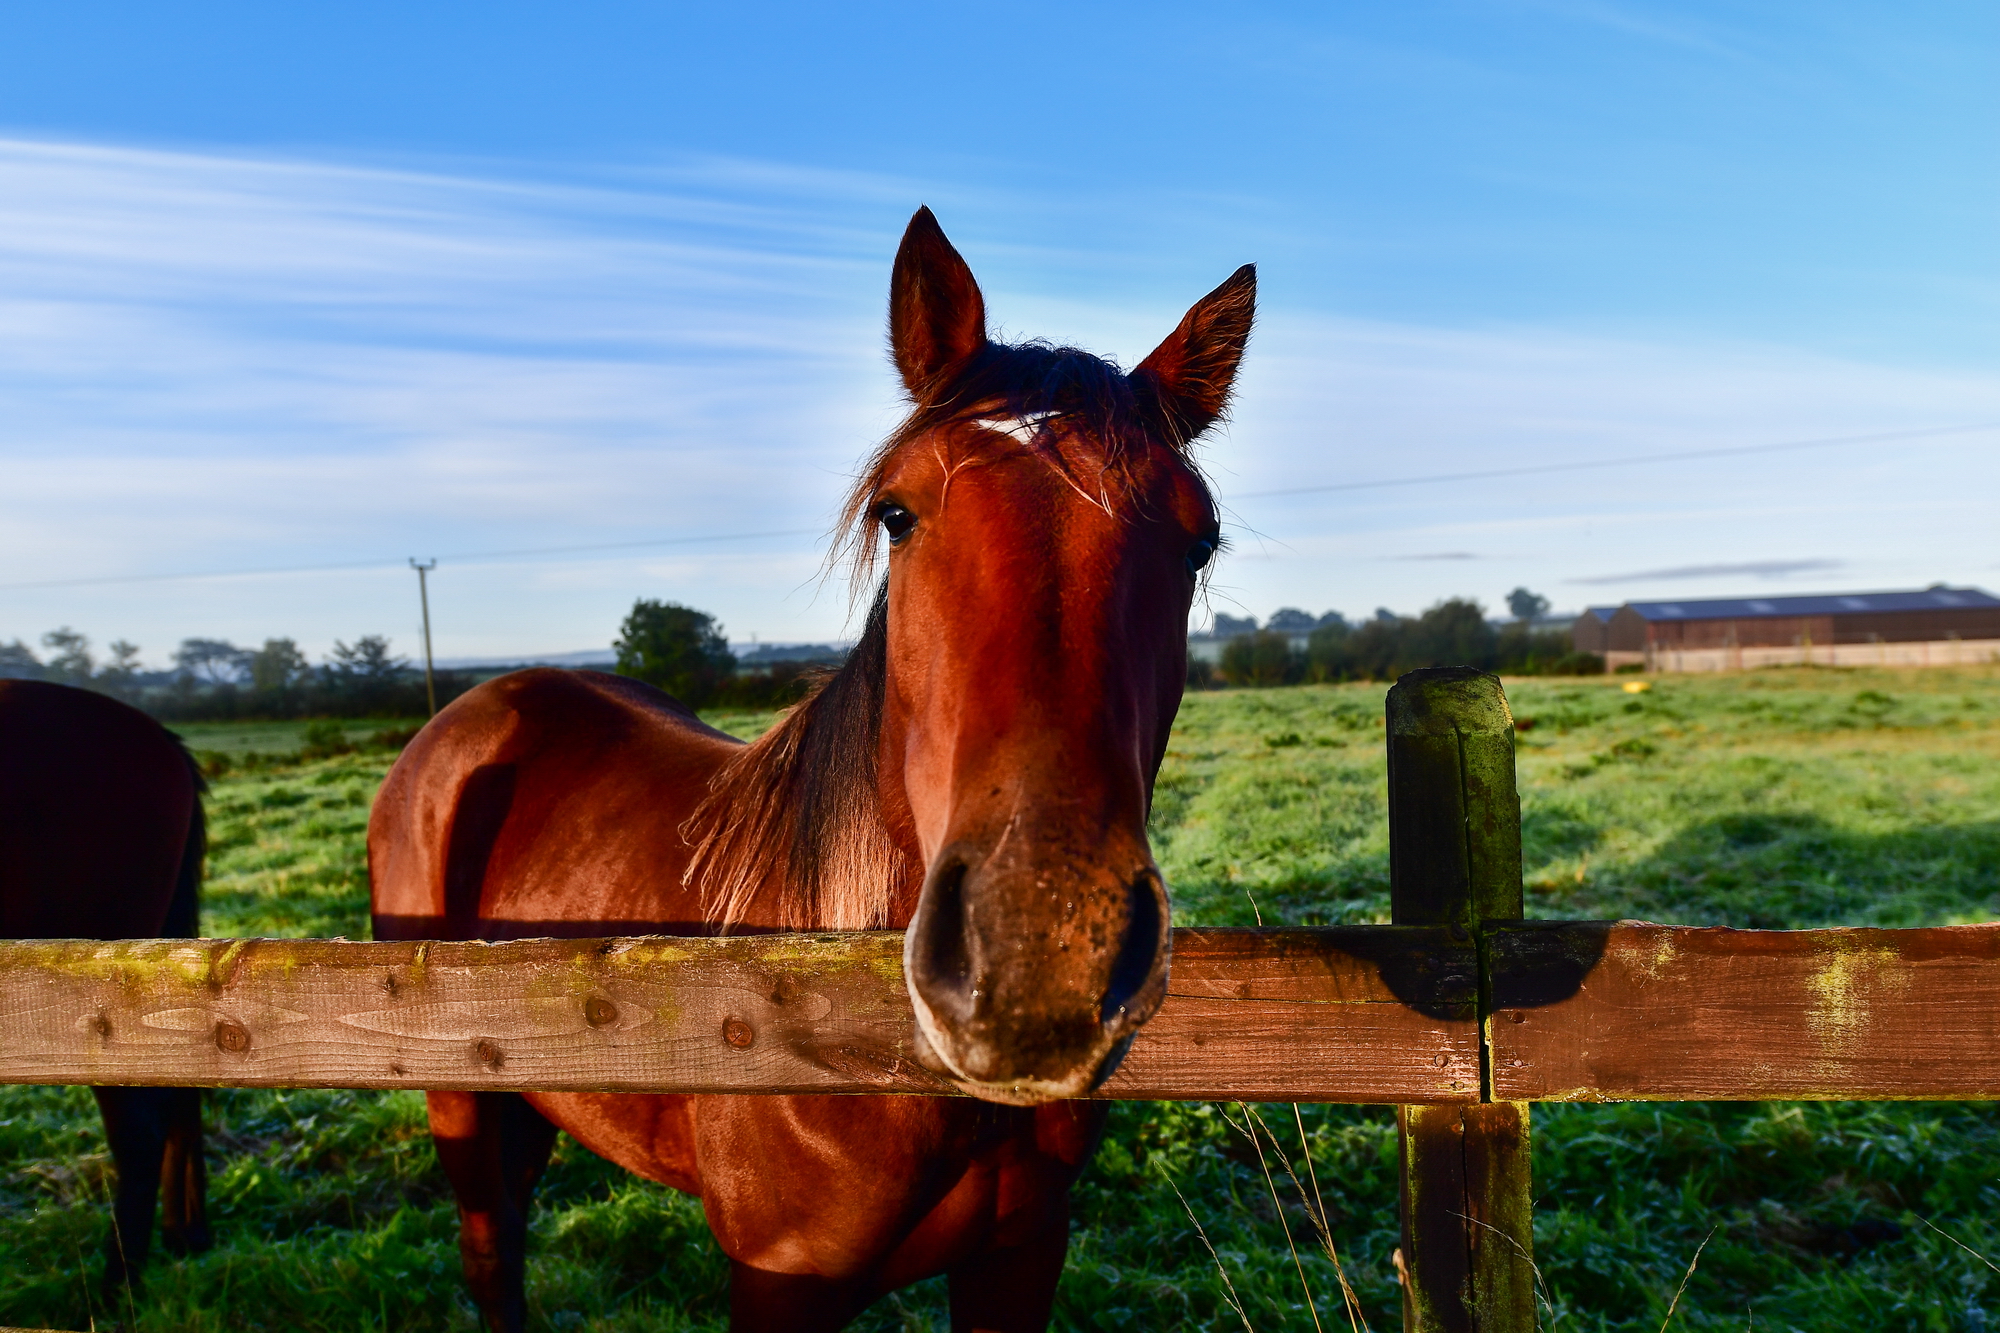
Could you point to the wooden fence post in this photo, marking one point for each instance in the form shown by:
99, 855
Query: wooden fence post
1455, 860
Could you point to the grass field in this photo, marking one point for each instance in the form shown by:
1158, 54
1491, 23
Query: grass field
1779, 798
240, 739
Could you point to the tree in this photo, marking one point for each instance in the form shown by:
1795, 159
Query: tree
121, 672
1528, 606
1228, 627
1527, 651
277, 665
1290, 620
212, 661
366, 662
363, 677
1452, 633
69, 660
1327, 650
18, 662
1261, 659
1375, 651
677, 648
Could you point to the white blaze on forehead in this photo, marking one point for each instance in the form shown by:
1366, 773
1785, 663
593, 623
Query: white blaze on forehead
1024, 429
1020, 428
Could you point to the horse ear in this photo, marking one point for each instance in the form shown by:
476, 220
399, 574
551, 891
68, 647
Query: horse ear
1189, 375
937, 318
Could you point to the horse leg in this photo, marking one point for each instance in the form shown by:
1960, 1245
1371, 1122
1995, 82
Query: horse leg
135, 1126
766, 1302
493, 1147
184, 1176
1010, 1289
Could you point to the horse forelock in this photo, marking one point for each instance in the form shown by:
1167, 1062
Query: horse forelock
1028, 392
799, 808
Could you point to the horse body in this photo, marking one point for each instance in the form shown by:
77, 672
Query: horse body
526, 824
977, 773
101, 837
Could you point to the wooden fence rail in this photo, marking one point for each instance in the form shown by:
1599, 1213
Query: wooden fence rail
1460, 1013
1271, 1015
1579, 1011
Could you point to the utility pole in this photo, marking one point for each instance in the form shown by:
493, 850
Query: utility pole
424, 596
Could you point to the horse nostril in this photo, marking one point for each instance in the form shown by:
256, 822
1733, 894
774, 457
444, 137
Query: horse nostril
1139, 951
940, 967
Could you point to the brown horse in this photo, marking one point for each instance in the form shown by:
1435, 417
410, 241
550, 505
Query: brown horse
978, 772
101, 837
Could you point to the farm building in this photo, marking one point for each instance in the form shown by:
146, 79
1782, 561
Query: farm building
1936, 626
1591, 630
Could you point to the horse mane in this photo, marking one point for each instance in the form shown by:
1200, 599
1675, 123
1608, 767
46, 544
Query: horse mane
800, 806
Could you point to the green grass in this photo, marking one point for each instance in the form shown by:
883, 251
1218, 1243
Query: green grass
1781, 798
241, 739
1778, 798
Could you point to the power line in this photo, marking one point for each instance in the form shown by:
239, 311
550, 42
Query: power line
1532, 469
466, 557
463, 557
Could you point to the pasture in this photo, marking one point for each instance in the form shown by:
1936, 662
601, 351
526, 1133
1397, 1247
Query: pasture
1780, 798
277, 740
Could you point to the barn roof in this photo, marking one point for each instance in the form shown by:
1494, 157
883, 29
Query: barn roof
1603, 613
1831, 604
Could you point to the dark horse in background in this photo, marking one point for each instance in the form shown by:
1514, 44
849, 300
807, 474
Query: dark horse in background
101, 838
978, 773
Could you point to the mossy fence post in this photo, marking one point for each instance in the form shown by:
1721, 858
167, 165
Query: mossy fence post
1467, 1258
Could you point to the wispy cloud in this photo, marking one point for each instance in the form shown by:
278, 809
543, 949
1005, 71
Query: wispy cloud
1762, 569
212, 362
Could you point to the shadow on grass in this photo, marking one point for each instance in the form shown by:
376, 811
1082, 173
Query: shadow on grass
1769, 870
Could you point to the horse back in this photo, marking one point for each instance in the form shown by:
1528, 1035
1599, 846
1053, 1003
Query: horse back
100, 818
544, 802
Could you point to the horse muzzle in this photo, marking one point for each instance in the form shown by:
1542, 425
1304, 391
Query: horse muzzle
1030, 980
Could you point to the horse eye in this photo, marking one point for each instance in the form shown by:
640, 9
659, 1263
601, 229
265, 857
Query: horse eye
897, 521
1197, 556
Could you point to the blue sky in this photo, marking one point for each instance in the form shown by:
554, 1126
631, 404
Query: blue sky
284, 288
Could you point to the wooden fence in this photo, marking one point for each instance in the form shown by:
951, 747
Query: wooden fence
1460, 1013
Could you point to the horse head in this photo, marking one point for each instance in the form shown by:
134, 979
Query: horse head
1046, 533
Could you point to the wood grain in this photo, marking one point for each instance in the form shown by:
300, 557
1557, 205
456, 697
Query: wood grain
1580, 1011
1466, 1208
1467, 1218
1454, 813
1679, 1013
1298, 1015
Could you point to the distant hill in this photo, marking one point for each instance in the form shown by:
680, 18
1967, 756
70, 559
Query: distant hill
588, 657
749, 656
754, 655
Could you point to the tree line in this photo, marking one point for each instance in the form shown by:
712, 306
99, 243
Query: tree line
213, 679
684, 652
1455, 632
677, 648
